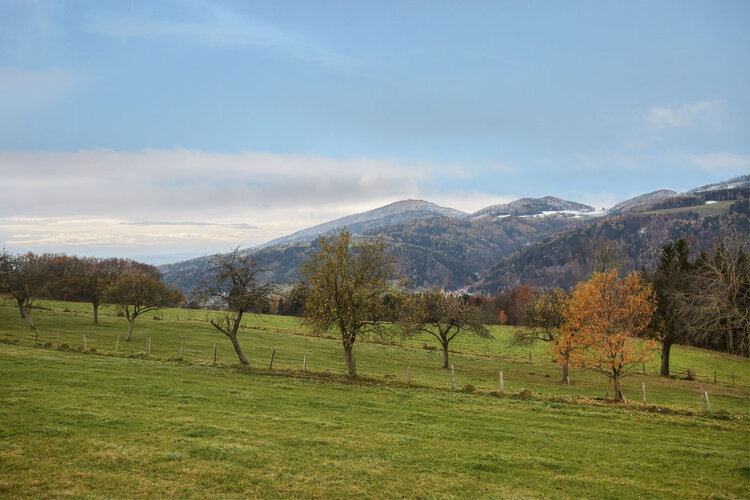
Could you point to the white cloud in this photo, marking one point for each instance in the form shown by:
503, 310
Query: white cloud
163, 201
724, 163
685, 116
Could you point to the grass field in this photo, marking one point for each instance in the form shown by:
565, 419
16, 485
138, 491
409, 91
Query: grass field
706, 210
120, 425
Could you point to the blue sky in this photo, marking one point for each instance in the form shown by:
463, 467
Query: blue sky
237, 122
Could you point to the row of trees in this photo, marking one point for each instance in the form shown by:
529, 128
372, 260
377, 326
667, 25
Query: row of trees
134, 287
350, 287
704, 302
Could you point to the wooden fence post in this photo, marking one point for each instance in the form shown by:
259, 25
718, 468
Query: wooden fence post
408, 374
453, 378
23, 334
273, 353
703, 399
502, 383
148, 346
572, 399
182, 348
214, 352
733, 380
304, 364
84, 342
643, 386
57, 335
529, 355
117, 343
644, 368
714, 378
708, 401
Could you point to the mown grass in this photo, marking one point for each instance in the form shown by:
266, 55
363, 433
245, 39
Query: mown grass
476, 361
75, 424
705, 210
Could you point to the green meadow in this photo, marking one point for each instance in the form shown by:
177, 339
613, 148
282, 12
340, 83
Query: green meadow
123, 424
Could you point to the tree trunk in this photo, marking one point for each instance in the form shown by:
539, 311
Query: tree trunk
31, 325
238, 349
130, 329
565, 373
20, 308
445, 356
350, 364
96, 313
619, 396
666, 347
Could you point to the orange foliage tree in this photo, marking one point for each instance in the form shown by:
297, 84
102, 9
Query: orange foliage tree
604, 317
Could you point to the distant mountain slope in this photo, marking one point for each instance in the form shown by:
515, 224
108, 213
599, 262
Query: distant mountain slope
531, 206
452, 253
561, 259
742, 181
642, 202
394, 213
438, 251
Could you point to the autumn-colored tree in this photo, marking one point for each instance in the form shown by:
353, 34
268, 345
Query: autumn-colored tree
502, 318
603, 319
344, 283
137, 294
25, 277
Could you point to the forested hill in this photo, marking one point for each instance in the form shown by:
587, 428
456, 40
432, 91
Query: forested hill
439, 251
453, 253
563, 259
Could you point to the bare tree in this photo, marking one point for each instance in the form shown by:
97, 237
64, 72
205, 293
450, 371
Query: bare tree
444, 317
715, 308
544, 320
235, 285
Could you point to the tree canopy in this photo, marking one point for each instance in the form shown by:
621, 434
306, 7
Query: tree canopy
345, 282
603, 319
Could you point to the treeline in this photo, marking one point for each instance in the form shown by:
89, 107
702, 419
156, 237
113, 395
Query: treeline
136, 288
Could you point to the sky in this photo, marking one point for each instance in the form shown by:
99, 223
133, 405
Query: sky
165, 130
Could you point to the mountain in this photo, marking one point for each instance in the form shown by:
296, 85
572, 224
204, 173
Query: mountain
394, 213
503, 245
532, 206
562, 258
437, 251
642, 202
742, 181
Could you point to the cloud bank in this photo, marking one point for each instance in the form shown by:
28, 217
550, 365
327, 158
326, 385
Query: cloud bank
162, 200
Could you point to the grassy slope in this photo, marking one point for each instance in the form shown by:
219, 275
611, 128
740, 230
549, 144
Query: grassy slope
109, 426
706, 210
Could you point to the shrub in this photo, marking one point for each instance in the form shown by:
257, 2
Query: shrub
468, 388
524, 394
64, 347
47, 345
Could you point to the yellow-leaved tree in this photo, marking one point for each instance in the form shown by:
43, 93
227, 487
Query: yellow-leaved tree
604, 317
